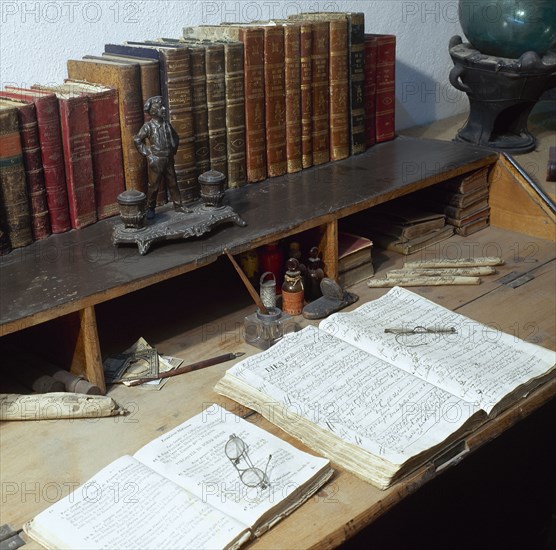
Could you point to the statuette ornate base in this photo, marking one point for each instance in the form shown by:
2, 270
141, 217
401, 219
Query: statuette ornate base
170, 225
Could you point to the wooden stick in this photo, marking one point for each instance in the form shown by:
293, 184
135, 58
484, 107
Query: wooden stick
188, 368
458, 262
248, 285
454, 271
423, 281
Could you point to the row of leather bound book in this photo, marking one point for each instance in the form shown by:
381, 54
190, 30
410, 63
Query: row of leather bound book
251, 100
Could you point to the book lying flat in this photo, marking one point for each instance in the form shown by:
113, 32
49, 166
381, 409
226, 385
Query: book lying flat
409, 246
182, 491
381, 404
399, 218
353, 251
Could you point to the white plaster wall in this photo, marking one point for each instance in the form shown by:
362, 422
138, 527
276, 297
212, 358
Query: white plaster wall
38, 36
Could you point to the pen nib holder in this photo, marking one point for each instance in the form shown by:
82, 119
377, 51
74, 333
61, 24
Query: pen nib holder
264, 330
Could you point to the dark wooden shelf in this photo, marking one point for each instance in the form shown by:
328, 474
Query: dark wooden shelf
67, 272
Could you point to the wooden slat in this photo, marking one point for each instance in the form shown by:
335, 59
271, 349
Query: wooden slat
87, 359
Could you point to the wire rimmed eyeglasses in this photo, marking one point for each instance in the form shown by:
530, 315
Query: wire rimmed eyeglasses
237, 452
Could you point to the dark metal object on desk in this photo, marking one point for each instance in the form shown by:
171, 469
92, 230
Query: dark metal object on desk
334, 298
212, 188
502, 92
169, 224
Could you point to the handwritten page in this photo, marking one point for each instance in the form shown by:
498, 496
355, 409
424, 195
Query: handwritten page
127, 505
476, 363
359, 398
193, 456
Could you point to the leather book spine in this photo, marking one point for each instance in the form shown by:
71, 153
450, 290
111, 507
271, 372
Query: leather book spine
14, 206
200, 115
385, 88
76, 142
150, 83
52, 155
306, 49
356, 24
106, 149
292, 59
339, 90
126, 79
216, 106
255, 133
34, 172
235, 114
370, 90
320, 72
275, 101
176, 68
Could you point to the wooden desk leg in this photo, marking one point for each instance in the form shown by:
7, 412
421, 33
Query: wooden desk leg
329, 248
87, 359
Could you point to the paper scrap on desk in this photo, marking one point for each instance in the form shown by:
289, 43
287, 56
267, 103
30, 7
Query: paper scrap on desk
165, 364
138, 361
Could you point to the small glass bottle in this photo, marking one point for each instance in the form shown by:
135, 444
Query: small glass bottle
292, 289
315, 275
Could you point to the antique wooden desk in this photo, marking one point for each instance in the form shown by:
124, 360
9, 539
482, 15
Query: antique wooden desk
197, 313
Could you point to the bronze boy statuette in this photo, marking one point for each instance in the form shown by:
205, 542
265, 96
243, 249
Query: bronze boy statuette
158, 142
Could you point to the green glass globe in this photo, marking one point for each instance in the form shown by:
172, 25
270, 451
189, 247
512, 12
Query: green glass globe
509, 28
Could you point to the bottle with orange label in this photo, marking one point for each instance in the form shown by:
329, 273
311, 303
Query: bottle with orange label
292, 289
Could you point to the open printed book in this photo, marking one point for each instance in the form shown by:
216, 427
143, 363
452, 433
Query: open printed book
382, 403
182, 490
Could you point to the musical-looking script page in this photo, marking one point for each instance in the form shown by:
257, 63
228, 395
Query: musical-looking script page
476, 362
359, 398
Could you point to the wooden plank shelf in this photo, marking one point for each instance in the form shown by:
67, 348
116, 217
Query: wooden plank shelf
68, 274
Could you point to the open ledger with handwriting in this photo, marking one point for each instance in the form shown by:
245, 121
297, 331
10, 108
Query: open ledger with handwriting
382, 404
182, 491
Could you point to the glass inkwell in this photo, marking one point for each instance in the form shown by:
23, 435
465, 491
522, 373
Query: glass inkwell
268, 324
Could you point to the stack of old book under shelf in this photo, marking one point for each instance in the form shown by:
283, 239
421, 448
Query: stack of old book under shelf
464, 201
355, 262
401, 226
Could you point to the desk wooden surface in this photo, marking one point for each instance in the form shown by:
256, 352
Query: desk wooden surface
42, 461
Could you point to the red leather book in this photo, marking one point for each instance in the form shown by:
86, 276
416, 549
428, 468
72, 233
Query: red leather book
78, 160
275, 101
385, 87
50, 136
370, 90
106, 145
34, 173
292, 66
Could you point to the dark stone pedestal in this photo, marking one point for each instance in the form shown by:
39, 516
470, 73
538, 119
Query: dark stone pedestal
501, 94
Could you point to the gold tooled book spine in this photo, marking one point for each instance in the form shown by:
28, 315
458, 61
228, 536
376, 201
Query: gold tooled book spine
275, 101
339, 90
200, 113
320, 72
235, 113
306, 48
216, 106
292, 60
